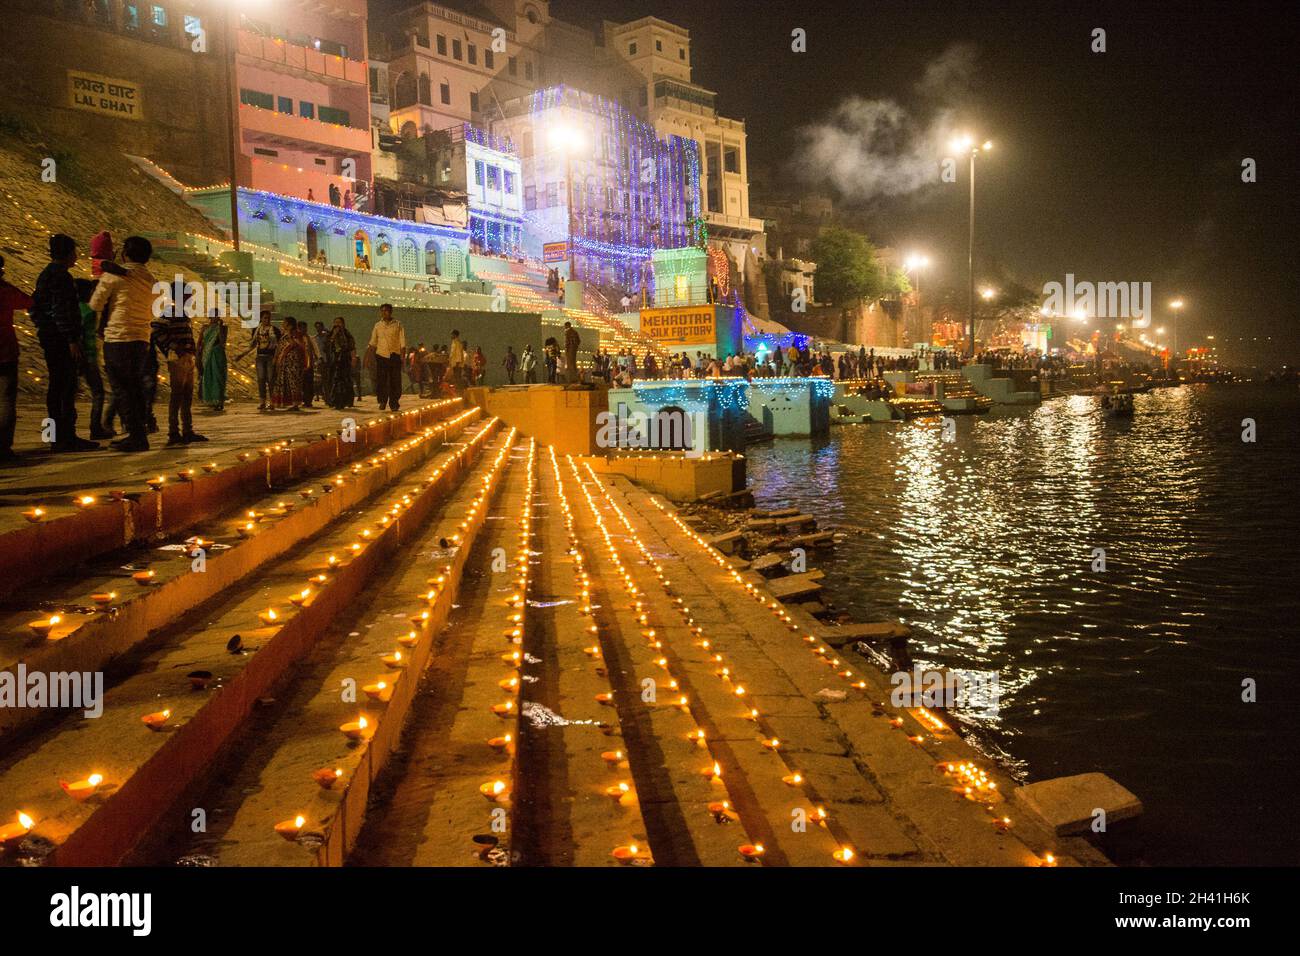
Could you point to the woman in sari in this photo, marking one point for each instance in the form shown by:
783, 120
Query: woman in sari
290, 363
341, 348
212, 364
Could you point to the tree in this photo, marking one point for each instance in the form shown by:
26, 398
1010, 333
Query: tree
847, 267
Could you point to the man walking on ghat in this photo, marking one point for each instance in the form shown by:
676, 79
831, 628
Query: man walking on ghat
456, 362
388, 345
265, 340
571, 342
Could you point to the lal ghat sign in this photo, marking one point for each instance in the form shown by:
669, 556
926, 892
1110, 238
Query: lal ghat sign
683, 325
104, 94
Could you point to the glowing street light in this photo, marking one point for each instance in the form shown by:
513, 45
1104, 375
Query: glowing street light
987, 294
913, 264
966, 143
1176, 306
570, 141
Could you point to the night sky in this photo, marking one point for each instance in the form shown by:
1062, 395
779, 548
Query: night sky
1120, 166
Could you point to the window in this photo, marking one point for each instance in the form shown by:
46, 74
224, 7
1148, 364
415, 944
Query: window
193, 25
285, 104
493, 177
631, 49
318, 161
552, 195
659, 46
530, 197
307, 109
131, 17
422, 39
455, 50
426, 96
473, 54
444, 93
528, 69
731, 159
159, 16
473, 101
442, 45
681, 53
644, 96
514, 66
328, 114
263, 101
509, 182
478, 172
488, 59
261, 151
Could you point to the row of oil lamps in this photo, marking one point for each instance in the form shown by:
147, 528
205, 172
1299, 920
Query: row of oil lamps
380, 690
973, 783
620, 792
83, 790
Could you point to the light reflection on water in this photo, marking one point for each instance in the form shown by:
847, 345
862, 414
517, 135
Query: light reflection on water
985, 546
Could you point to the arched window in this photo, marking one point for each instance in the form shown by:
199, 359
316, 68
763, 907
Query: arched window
426, 96
410, 130
404, 91
431, 258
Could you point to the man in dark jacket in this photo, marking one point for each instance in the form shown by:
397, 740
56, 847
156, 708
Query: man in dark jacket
571, 343
56, 313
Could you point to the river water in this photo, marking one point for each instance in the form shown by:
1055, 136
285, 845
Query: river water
985, 545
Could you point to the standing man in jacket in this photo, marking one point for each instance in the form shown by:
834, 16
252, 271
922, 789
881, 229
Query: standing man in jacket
56, 313
571, 342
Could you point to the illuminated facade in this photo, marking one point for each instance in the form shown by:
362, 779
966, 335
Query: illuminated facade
594, 172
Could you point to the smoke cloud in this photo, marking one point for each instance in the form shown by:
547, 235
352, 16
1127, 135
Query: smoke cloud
871, 148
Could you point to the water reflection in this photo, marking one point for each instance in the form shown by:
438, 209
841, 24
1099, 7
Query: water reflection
985, 545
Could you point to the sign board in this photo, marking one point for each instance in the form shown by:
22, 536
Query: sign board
683, 325
555, 251
104, 94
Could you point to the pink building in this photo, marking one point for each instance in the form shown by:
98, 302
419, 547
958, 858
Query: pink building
304, 99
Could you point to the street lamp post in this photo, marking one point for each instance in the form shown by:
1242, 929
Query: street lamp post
1176, 306
230, 48
967, 143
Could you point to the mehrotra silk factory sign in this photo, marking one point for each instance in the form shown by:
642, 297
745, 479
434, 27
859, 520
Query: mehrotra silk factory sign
684, 325
104, 94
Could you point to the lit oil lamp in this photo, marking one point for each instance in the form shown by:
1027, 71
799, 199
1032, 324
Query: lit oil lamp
16, 831
34, 514
409, 639
83, 501
612, 758
356, 729
844, 854
305, 494
300, 598
751, 851
394, 661
210, 467
421, 619
82, 790
714, 773
504, 710
606, 700
327, 777
499, 744
627, 854
772, 743
156, 720
244, 530
320, 580
199, 680
104, 598
43, 626
513, 657
156, 482
332, 562
186, 474
792, 779
269, 617
494, 791
1048, 861
145, 577
289, 829
592, 651
510, 683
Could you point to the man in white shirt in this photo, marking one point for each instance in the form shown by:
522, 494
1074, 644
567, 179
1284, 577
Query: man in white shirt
388, 345
456, 361
130, 299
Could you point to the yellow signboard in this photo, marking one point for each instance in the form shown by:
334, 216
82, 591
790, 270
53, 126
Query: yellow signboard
104, 94
684, 325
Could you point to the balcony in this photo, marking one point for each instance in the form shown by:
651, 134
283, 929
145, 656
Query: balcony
273, 53
289, 130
